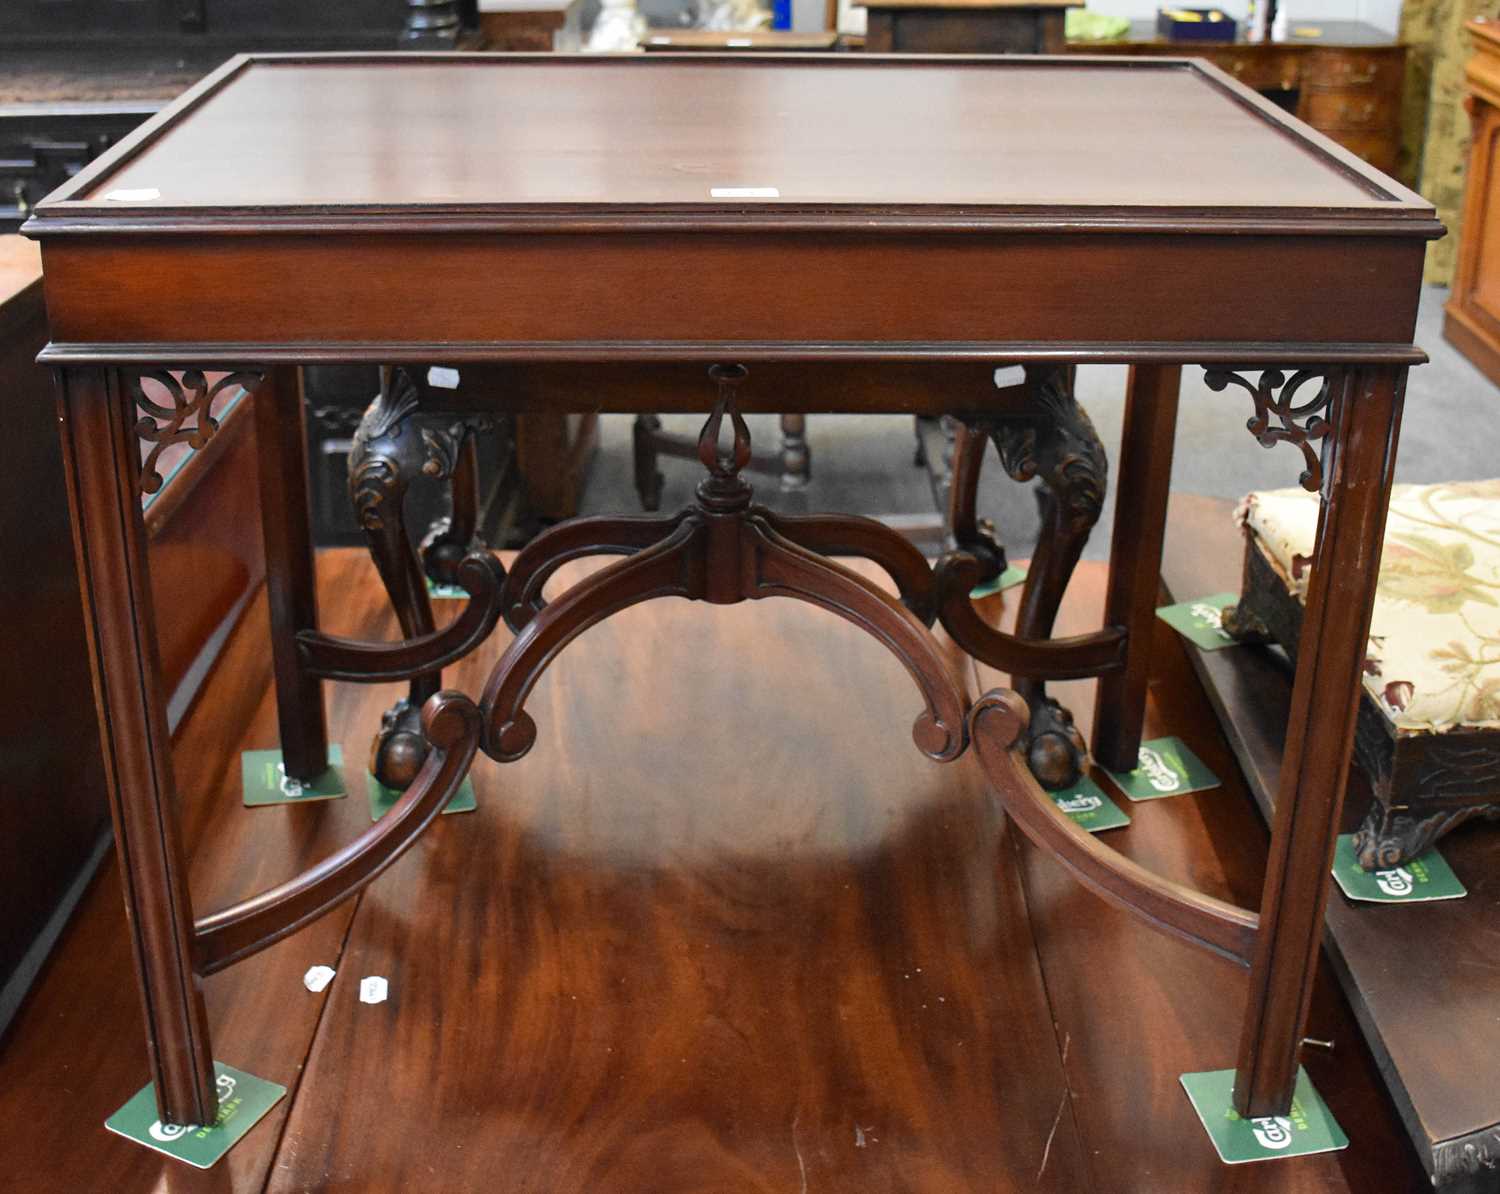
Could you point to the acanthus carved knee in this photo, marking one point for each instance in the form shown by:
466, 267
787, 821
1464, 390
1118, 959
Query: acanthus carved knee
1055, 441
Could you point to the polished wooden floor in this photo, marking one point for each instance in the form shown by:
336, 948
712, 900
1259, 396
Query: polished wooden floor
723, 930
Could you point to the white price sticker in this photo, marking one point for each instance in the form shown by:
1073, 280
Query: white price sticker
373, 989
443, 377
1009, 375
318, 977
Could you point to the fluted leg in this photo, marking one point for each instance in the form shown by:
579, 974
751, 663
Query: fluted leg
103, 458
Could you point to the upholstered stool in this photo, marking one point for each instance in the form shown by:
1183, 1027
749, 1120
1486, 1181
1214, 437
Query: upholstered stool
1428, 733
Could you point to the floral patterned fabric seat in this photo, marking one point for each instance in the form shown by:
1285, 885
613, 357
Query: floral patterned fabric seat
1432, 669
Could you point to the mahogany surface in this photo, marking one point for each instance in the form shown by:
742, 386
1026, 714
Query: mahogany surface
947, 134
1135, 1009
663, 992
932, 251
1418, 976
961, 230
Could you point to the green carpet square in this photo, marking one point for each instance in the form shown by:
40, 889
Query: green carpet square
243, 1100
263, 780
1167, 768
382, 798
1087, 805
1308, 1127
1428, 877
1198, 621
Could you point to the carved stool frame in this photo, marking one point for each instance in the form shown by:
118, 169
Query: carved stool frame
723, 549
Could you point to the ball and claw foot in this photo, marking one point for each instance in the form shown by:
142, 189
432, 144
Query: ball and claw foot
1055, 750
1243, 626
399, 748
1389, 838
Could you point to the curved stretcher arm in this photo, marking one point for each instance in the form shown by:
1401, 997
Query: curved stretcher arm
1077, 657
788, 570
605, 535
852, 535
995, 723
334, 658
663, 570
451, 724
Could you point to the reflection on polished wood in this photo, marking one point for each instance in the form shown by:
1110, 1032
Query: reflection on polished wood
608, 980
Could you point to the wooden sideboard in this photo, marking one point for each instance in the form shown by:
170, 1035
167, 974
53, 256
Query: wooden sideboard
1472, 318
965, 26
530, 25
1346, 82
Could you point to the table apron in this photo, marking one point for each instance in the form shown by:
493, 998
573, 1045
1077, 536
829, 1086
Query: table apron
640, 294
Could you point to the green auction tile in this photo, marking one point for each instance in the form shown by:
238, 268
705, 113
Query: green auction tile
442, 592
1167, 768
1200, 621
382, 798
243, 1101
1087, 805
264, 780
1427, 877
1008, 579
1307, 1128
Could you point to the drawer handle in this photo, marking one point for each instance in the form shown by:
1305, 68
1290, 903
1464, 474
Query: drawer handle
1365, 76
1360, 114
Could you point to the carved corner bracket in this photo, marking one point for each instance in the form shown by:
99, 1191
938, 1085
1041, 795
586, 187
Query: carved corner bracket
188, 420
1302, 424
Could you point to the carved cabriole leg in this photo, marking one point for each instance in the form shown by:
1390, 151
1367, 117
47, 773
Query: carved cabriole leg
1359, 439
450, 540
291, 576
391, 449
1056, 443
105, 478
970, 533
1145, 479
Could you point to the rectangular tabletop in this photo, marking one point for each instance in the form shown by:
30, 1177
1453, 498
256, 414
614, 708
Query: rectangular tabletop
539, 132
866, 172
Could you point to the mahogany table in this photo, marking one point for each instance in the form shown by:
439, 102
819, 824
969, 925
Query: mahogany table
683, 233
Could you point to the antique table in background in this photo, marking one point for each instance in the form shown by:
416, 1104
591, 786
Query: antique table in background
630, 226
970, 26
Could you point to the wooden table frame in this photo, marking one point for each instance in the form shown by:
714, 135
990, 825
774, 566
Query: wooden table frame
126, 296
